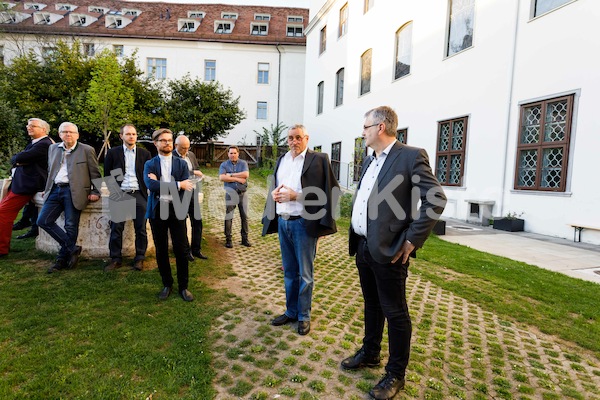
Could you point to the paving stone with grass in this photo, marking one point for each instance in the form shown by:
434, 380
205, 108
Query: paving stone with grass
459, 350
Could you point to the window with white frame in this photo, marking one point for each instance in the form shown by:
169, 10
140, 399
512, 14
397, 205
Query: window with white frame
403, 51
79, 20
98, 10
460, 25
34, 6
263, 73
543, 6
118, 49
450, 154
65, 7
339, 87
543, 147
89, 49
131, 11
320, 93
210, 70
41, 18
188, 25
259, 29
229, 15
294, 31
343, 27
113, 22
223, 27
261, 110
365, 72
295, 18
368, 5
196, 14
157, 68
262, 17
323, 40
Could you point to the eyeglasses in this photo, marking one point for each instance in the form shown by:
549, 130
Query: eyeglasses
165, 141
33, 126
365, 127
297, 138
71, 132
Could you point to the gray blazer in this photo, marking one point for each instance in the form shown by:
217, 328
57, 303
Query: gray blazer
387, 232
82, 167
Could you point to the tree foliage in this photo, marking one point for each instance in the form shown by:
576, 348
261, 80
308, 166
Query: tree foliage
204, 111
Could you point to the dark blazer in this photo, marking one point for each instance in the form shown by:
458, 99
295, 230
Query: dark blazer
82, 168
192, 157
316, 172
31, 168
386, 233
115, 159
179, 172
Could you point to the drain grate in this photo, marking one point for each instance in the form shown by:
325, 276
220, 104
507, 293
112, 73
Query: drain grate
463, 228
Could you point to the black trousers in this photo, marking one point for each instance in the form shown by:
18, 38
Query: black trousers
235, 199
115, 242
384, 292
160, 230
196, 224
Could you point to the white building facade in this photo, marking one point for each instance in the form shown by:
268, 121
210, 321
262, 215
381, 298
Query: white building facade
501, 93
256, 51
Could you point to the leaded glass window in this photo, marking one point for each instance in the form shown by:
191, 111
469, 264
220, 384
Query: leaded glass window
460, 33
365, 72
543, 146
360, 153
401, 135
450, 155
336, 154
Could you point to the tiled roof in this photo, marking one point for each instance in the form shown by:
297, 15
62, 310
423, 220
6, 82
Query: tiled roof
155, 21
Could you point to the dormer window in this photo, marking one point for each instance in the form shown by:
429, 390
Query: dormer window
187, 25
41, 18
8, 17
228, 15
259, 29
131, 12
65, 7
262, 17
294, 31
196, 14
115, 21
223, 27
295, 18
97, 10
81, 20
34, 6
7, 6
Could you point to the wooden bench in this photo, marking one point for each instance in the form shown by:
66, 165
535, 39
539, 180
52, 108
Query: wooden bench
578, 228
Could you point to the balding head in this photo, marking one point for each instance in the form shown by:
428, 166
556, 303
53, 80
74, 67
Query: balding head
182, 144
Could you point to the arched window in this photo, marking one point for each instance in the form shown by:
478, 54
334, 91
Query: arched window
365, 72
320, 90
403, 50
339, 87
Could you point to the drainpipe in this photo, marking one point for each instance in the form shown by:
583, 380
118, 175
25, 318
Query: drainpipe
509, 111
278, 82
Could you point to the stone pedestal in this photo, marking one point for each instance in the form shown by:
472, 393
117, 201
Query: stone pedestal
480, 211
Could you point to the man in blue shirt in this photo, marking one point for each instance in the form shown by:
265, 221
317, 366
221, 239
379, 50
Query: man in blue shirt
234, 173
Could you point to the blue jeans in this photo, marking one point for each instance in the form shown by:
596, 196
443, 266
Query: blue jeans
59, 201
298, 251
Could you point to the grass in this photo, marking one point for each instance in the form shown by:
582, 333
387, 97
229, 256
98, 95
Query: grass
553, 302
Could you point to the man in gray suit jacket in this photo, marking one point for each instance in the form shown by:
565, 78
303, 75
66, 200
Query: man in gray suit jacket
386, 229
71, 167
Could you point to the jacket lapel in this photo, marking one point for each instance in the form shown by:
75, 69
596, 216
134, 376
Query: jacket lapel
389, 160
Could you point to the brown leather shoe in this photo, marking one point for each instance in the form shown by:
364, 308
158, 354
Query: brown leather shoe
360, 360
165, 293
303, 327
282, 320
74, 257
113, 265
138, 265
186, 295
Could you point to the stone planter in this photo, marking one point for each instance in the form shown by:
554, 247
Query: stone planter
509, 224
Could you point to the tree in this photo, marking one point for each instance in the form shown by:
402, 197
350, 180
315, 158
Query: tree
204, 111
108, 102
274, 136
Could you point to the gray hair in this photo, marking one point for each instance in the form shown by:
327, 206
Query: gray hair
60, 128
45, 126
384, 115
299, 127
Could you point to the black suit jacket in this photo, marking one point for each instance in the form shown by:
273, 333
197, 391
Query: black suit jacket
31, 168
405, 170
317, 173
179, 172
192, 157
115, 159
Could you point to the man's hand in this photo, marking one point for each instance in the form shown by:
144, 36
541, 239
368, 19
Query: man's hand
152, 176
283, 194
198, 173
93, 197
404, 253
186, 185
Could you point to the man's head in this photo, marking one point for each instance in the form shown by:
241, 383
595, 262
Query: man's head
233, 153
297, 139
36, 128
69, 133
182, 144
128, 135
163, 140
380, 127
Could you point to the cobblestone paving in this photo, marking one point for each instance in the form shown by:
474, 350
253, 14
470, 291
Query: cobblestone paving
458, 349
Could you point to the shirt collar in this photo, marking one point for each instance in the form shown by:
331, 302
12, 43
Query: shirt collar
387, 150
62, 146
165, 158
126, 149
34, 141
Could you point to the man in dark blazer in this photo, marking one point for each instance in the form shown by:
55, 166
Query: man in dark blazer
71, 168
168, 202
300, 208
127, 162
182, 150
386, 229
30, 173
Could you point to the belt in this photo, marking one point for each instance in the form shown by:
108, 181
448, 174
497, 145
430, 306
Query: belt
289, 217
62, 184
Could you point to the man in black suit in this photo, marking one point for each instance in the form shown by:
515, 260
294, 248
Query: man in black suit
384, 232
30, 174
300, 208
182, 150
127, 163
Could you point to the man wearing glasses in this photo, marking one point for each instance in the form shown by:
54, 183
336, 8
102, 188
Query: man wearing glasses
300, 209
71, 168
167, 176
29, 177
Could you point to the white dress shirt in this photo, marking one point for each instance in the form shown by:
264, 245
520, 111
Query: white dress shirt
63, 174
130, 181
289, 174
166, 163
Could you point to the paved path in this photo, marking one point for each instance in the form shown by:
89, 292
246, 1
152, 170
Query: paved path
459, 350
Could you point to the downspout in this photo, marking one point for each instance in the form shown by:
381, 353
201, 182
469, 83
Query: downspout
278, 82
509, 111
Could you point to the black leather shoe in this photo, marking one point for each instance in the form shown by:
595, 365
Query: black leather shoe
387, 387
22, 224
246, 243
228, 244
186, 295
74, 257
113, 265
165, 293
190, 257
29, 234
360, 360
57, 266
303, 327
282, 320
138, 265
198, 254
